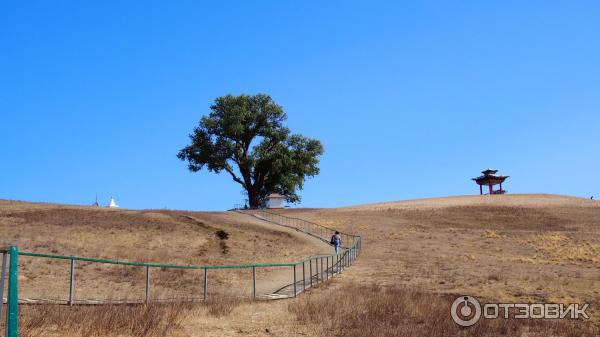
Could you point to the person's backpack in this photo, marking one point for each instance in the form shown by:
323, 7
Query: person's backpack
332, 240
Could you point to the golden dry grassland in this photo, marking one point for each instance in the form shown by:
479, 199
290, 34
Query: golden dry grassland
417, 255
166, 237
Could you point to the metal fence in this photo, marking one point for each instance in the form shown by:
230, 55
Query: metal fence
316, 230
11, 325
89, 279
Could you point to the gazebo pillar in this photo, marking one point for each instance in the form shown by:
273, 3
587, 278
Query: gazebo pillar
491, 189
480, 189
500, 186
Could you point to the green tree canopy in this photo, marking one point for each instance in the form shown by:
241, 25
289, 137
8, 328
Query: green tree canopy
245, 136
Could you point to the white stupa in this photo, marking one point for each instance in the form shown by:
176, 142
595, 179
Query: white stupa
112, 203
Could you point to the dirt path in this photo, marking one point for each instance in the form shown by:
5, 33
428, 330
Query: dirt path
279, 282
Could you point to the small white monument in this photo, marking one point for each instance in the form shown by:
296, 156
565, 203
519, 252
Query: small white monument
275, 200
112, 203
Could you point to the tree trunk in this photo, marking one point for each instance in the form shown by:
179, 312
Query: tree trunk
253, 199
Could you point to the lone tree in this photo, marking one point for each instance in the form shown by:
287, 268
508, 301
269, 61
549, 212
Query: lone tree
245, 136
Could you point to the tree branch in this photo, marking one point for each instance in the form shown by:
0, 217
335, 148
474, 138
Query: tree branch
235, 178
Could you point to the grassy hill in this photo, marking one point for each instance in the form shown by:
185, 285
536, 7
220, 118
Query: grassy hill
416, 254
151, 236
509, 247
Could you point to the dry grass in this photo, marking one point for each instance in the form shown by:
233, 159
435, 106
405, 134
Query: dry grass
155, 320
374, 311
154, 236
562, 247
513, 248
223, 306
509, 247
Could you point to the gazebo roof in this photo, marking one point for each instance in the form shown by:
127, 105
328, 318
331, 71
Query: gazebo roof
489, 171
489, 177
276, 196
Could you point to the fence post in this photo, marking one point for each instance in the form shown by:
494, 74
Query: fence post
254, 282
327, 268
350, 257
303, 278
2, 277
317, 269
147, 284
72, 283
12, 305
322, 269
205, 284
310, 271
295, 292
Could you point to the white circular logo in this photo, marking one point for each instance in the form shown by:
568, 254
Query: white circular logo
466, 310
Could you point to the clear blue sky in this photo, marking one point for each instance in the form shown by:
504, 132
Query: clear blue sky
410, 99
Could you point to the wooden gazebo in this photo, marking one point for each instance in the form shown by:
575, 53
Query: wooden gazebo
489, 178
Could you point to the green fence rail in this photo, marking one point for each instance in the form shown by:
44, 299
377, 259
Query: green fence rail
155, 265
304, 274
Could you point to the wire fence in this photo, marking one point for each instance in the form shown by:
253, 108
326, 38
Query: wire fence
75, 280
313, 229
100, 281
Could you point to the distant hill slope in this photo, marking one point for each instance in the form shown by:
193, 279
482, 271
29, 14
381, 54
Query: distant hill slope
534, 247
521, 200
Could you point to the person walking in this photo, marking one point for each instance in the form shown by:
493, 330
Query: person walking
336, 241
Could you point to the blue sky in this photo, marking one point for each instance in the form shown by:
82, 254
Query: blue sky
410, 99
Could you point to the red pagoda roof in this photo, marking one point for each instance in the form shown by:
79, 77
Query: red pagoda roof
489, 177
